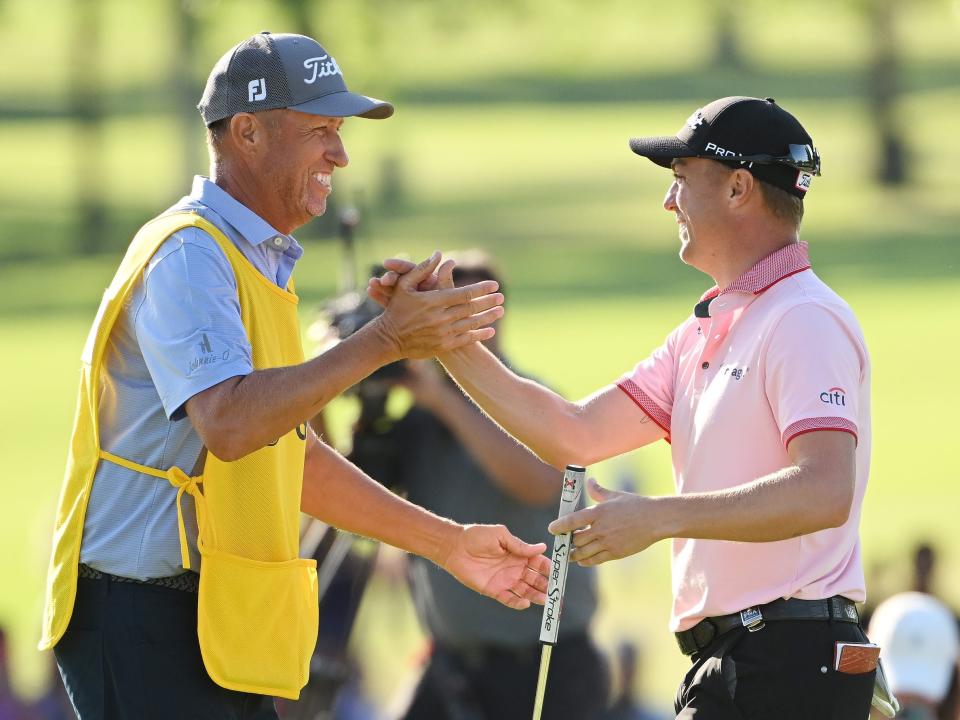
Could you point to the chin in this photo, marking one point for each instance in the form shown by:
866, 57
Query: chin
316, 209
686, 252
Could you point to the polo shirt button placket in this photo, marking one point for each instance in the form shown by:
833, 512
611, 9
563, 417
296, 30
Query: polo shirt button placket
711, 340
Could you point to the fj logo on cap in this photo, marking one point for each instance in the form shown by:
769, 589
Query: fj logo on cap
803, 181
322, 67
257, 89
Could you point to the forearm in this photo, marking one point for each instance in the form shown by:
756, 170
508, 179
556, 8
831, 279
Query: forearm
510, 465
541, 419
791, 502
246, 413
338, 493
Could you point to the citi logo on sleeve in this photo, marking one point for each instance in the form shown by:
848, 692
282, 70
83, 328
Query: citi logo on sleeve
834, 396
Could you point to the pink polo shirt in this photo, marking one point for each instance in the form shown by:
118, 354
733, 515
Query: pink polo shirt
780, 355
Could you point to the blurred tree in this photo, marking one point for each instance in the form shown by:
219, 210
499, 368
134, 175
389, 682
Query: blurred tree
299, 12
884, 89
726, 41
184, 88
86, 108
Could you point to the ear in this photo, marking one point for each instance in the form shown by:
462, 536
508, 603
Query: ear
741, 187
246, 132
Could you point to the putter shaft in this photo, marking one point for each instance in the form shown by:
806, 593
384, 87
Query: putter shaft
542, 680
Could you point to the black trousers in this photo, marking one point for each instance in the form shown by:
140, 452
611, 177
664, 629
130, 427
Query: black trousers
131, 653
501, 684
782, 671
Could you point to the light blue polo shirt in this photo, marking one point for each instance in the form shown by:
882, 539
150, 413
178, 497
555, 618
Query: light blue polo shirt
179, 333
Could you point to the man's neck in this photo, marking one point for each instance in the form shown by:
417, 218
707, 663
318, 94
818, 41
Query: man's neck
747, 250
240, 184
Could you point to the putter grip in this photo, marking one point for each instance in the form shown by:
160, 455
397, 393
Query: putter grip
560, 559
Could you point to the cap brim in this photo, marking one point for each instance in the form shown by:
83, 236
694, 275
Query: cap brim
346, 104
661, 150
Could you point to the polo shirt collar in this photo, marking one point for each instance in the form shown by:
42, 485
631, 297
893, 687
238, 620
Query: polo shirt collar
768, 271
253, 228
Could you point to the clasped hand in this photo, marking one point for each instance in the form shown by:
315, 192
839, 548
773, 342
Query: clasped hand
425, 315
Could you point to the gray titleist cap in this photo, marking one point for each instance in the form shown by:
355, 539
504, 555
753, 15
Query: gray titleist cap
269, 71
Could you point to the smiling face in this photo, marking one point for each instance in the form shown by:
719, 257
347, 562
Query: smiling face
698, 196
297, 168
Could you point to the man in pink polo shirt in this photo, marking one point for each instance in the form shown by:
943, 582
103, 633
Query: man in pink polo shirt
764, 395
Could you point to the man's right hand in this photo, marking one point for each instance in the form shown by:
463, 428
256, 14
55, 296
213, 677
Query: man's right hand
424, 316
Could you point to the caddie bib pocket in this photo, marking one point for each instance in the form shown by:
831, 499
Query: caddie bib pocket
257, 622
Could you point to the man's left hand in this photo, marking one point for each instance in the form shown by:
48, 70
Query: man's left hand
620, 524
495, 563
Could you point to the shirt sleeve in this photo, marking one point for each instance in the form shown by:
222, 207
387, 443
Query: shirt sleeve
188, 324
651, 383
814, 368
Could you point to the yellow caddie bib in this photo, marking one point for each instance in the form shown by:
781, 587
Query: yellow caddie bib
257, 615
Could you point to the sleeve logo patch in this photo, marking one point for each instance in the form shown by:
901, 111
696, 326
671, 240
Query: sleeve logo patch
834, 396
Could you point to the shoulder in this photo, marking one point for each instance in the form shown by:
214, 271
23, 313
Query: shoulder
190, 253
804, 302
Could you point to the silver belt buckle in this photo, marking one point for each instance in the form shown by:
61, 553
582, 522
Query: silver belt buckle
752, 619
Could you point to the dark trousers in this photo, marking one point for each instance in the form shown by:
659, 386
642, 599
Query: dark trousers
501, 683
783, 671
131, 653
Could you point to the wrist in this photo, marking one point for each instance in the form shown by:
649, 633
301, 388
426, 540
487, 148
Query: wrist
449, 534
460, 354
670, 517
382, 338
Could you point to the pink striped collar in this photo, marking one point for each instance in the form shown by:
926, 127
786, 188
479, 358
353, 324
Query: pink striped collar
768, 271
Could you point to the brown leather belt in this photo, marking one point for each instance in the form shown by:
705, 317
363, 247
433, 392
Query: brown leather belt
709, 629
187, 581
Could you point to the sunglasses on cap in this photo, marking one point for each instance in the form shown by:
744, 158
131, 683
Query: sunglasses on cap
799, 157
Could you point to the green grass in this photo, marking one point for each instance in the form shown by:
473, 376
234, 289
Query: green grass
510, 135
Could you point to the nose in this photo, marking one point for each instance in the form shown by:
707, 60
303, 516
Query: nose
670, 201
337, 153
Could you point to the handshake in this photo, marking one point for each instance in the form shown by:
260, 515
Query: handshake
425, 314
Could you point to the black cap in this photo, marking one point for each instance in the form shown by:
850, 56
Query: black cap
270, 71
747, 132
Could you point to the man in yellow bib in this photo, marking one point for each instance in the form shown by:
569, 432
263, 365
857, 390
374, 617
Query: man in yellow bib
175, 590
